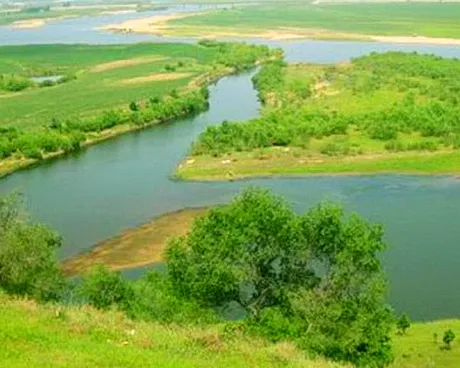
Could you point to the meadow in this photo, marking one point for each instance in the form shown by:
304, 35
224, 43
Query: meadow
390, 112
400, 19
58, 336
103, 90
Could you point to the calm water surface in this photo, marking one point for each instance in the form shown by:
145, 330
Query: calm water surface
124, 182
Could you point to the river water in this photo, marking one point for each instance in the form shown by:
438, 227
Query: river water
96, 193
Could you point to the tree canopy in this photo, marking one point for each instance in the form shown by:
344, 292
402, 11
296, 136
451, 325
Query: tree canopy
27, 254
315, 277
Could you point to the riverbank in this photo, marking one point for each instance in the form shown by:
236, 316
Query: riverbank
140, 246
379, 114
286, 163
430, 24
43, 123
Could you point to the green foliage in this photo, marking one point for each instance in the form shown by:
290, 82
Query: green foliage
154, 299
314, 278
14, 83
269, 78
103, 288
67, 132
27, 255
133, 106
380, 97
448, 338
403, 323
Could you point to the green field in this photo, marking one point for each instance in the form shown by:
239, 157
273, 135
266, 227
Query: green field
381, 113
429, 19
104, 90
58, 336
96, 87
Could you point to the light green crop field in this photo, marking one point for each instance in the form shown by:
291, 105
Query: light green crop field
105, 77
64, 336
423, 19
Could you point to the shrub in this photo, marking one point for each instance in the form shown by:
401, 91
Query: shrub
102, 288
402, 324
154, 299
27, 254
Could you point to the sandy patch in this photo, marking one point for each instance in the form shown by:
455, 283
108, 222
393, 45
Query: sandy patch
155, 24
155, 78
9, 95
96, 7
123, 63
117, 12
135, 247
421, 40
29, 23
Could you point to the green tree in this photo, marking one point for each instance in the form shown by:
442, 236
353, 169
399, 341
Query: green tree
103, 288
345, 314
250, 252
448, 338
315, 278
27, 254
403, 323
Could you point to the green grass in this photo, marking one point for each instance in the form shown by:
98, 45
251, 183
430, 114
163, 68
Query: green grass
383, 113
35, 335
432, 19
91, 91
57, 336
248, 165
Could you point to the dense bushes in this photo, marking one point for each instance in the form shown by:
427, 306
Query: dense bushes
27, 255
14, 83
68, 135
269, 78
426, 106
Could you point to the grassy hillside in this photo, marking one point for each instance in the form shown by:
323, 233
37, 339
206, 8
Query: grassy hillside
385, 113
429, 19
56, 336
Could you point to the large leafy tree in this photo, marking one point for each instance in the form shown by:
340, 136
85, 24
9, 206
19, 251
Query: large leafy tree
314, 277
27, 254
251, 251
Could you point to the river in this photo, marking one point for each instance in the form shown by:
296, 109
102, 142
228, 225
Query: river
94, 194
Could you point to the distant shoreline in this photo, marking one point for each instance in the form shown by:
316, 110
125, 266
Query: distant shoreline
159, 25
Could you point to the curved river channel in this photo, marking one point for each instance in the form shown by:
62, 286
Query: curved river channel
124, 182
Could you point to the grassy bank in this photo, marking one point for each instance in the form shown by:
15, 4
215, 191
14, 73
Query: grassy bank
383, 113
58, 336
338, 20
103, 92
